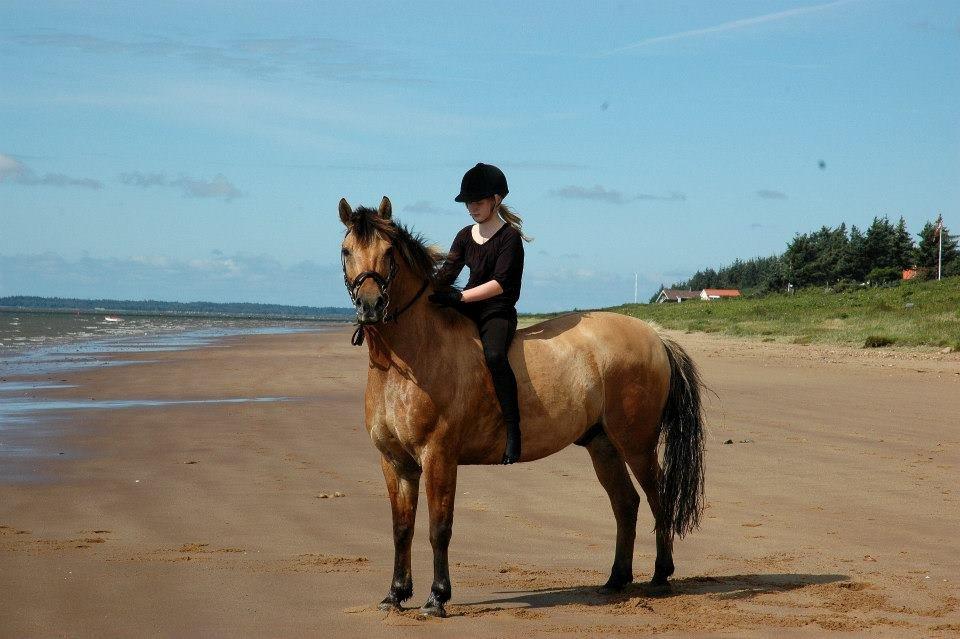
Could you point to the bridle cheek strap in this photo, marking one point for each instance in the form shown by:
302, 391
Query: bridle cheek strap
383, 283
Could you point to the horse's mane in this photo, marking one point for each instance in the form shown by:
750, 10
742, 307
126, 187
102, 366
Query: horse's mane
423, 259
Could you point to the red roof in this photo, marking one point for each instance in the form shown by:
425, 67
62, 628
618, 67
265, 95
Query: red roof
721, 292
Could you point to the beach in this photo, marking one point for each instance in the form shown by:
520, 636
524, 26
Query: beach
231, 490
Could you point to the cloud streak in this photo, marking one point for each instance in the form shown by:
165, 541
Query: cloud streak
768, 194
323, 58
15, 172
598, 193
733, 25
217, 187
427, 207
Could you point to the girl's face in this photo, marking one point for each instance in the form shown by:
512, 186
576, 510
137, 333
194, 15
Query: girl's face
482, 210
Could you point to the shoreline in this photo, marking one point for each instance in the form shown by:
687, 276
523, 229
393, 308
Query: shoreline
824, 516
88, 350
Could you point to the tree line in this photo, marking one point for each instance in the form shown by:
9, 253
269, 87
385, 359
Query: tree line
834, 255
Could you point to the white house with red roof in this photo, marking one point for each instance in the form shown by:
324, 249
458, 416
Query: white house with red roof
718, 293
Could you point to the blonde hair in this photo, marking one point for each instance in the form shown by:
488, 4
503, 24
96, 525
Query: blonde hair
514, 220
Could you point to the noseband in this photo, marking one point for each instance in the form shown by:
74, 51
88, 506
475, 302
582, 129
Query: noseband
383, 283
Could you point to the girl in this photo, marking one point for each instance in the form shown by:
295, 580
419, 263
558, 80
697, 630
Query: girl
493, 250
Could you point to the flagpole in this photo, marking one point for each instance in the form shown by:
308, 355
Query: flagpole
940, 248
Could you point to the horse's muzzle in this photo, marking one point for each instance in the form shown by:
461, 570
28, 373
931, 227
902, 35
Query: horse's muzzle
371, 311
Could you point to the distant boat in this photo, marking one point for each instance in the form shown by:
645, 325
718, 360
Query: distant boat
110, 318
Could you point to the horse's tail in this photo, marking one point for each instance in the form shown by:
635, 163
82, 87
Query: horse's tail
681, 426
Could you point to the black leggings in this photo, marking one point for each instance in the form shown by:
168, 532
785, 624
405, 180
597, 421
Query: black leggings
496, 333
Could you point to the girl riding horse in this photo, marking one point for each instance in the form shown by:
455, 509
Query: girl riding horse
493, 250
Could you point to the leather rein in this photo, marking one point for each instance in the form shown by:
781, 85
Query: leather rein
383, 283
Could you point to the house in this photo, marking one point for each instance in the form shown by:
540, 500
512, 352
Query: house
718, 293
675, 295
917, 272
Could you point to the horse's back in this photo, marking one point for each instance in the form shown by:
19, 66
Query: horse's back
609, 338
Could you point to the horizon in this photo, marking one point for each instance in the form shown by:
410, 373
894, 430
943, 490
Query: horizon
202, 158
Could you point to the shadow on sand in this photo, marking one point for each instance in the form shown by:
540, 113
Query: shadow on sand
723, 586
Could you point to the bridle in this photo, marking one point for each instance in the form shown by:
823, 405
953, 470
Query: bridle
383, 283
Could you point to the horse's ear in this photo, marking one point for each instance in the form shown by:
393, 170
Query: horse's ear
386, 209
345, 212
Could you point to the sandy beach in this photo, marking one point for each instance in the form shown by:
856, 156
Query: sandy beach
832, 489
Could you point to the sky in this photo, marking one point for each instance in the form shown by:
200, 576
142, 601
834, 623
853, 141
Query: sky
198, 150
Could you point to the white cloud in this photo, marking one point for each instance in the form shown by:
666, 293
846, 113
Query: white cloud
729, 26
603, 194
261, 278
15, 172
595, 192
425, 206
769, 194
235, 278
219, 186
264, 58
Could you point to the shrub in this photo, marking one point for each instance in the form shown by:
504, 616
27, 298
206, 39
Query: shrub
885, 275
878, 341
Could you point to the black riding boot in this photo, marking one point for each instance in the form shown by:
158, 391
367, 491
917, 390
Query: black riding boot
512, 453
496, 334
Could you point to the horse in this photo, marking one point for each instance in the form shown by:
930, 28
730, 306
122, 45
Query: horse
605, 381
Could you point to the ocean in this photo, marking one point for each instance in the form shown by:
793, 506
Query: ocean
34, 347
35, 343
22, 331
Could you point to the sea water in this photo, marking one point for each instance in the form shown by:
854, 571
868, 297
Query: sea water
40, 345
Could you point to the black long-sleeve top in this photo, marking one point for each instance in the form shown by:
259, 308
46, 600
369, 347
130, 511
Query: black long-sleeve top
500, 258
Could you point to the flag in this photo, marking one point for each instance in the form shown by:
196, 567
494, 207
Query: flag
938, 228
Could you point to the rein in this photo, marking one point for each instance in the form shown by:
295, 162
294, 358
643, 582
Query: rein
353, 287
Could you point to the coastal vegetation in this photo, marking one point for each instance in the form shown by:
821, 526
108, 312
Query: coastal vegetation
911, 313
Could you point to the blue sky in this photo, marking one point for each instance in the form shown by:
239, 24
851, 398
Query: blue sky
197, 151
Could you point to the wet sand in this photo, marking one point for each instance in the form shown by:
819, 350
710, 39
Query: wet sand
833, 510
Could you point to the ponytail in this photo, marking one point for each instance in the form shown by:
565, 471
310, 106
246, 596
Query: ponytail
513, 220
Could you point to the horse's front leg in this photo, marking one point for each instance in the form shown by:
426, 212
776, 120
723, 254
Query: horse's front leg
440, 472
403, 484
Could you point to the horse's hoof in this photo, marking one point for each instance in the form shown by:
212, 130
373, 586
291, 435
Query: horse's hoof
612, 588
390, 603
658, 587
433, 610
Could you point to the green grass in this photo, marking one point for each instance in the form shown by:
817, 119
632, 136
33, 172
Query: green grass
909, 314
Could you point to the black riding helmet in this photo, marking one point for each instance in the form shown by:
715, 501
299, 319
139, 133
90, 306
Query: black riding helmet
481, 182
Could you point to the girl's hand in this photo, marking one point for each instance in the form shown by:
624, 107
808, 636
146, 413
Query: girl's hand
449, 297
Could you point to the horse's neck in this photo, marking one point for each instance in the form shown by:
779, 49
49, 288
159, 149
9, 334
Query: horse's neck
422, 333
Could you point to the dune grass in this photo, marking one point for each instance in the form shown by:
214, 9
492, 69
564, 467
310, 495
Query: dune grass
908, 314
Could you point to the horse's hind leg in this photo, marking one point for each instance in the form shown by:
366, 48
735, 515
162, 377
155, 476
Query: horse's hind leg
403, 485
646, 468
613, 475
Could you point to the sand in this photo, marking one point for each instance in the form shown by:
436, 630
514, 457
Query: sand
833, 510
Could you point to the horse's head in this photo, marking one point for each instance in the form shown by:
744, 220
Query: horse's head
369, 262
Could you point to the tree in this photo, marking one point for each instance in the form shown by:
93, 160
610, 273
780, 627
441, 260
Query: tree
854, 265
879, 244
817, 258
903, 250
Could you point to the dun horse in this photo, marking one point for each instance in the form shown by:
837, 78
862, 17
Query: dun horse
604, 381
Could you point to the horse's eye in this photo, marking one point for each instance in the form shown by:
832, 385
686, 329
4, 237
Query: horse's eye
345, 252
389, 252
